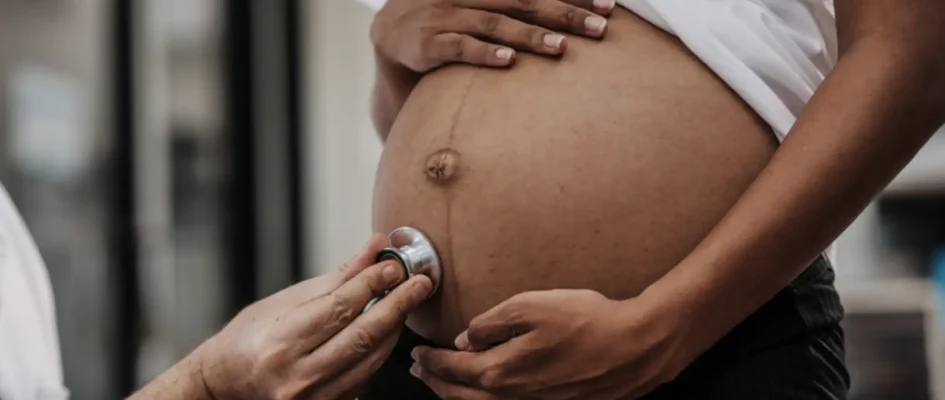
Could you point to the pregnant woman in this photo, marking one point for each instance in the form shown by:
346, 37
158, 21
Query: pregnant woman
617, 212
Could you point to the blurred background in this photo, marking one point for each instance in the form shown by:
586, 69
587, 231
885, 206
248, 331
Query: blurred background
178, 159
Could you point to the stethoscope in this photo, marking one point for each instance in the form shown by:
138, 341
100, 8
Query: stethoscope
415, 253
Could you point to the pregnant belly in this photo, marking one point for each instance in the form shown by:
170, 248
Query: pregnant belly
601, 170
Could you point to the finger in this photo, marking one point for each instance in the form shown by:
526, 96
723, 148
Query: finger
507, 31
364, 336
448, 390
456, 47
393, 310
552, 14
312, 288
601, 7
454, 366
499, 324
321, 318
485, 334
348, 383
385, 317
364, 259
328, 282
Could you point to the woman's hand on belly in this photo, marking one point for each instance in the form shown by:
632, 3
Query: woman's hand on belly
413, 37
423, 35
557, 344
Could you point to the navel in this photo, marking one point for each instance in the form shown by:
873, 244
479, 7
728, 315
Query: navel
443, 165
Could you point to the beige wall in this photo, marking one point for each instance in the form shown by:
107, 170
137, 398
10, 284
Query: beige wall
341, 149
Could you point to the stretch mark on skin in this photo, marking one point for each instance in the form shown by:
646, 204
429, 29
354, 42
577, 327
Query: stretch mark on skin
449, 198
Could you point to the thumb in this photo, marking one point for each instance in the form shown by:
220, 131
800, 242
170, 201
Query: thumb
497, 325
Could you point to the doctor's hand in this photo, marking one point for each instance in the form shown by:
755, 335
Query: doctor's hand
424, 34
310, 341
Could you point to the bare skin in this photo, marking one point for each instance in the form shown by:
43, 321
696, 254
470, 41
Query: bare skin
308, 341
881, 103
414, 37
600, 170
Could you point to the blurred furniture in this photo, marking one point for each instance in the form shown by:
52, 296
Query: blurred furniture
895, 332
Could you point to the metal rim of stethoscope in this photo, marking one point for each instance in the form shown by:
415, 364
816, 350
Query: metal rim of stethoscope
415, 253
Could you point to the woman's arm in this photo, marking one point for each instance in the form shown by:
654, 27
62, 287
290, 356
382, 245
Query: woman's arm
882, 102
392, 85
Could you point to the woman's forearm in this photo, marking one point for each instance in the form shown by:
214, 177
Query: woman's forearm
883, 101
391, 89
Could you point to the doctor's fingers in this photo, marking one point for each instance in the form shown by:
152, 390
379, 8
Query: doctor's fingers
316, 321
364, 337
328, 282
346, 382
323, 284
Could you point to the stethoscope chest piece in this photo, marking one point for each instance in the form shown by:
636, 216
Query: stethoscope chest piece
414, 251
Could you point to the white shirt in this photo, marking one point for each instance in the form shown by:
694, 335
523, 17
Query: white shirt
772, 53
30, 363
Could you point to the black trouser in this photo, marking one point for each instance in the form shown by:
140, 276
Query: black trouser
791, 348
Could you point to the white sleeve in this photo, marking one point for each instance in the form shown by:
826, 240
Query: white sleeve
30, 365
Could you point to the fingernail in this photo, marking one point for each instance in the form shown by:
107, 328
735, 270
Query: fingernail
414, 353
553, 40
392, 274
595, 25
504, 53
415, 370
462, 341
605, 5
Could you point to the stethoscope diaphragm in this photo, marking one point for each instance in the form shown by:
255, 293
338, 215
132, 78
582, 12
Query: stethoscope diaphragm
414, 251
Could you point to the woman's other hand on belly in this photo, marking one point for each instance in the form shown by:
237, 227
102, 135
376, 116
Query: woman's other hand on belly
423, 35
556, 344
413, 37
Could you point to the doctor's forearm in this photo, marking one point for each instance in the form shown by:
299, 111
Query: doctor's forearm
883, 101
182, 381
